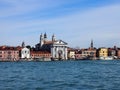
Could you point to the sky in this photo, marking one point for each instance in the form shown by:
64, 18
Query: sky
76, 22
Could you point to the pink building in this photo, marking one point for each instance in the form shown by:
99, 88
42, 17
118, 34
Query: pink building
9, 53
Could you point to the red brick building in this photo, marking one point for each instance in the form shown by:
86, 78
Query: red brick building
42, 55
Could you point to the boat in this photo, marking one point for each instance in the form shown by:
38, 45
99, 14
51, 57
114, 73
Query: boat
106, 58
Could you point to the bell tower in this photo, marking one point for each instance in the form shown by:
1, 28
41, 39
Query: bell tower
53, 38
41, 40
91, 46
45, 37
23, 44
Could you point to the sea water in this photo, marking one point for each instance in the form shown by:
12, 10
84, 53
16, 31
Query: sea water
60, 75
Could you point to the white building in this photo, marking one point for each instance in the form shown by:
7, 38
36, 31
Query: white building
57, 48
25, 53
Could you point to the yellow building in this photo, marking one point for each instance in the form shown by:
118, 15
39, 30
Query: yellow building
71, 53
103, 52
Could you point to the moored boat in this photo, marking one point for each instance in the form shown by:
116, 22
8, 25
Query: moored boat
106, 58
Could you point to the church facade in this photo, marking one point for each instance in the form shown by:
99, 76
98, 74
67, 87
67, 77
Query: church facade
25, 52
57, 48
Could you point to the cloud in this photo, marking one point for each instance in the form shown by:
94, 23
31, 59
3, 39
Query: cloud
22, 7
77, 28
19, 7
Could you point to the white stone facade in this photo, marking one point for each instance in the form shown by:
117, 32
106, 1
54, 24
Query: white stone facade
25, 53
59, 50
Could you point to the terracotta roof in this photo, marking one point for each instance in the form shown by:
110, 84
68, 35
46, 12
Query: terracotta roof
48, 42
8, 48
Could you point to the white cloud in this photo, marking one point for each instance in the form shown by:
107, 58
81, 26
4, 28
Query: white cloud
100, 24
21, 7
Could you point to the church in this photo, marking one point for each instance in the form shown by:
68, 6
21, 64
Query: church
57, 48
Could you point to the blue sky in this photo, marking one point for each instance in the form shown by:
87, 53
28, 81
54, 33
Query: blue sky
74, 21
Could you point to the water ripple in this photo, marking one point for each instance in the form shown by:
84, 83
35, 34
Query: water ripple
66, 75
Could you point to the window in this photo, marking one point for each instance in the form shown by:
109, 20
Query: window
9, 52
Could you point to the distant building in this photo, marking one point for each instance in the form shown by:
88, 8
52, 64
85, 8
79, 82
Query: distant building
25, 52
102, 52
78, 54
118, 53
112, 52
9, 53
71, 53
41, 55
57, 48
89, 53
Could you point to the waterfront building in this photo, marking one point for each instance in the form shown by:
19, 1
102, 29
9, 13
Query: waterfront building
25, 52
40, 55
71, 53
112, 52
57, 48
78, 54
89, 53
8, 53
118, 53
102, 52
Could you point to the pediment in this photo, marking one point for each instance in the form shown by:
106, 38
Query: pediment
60, 42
